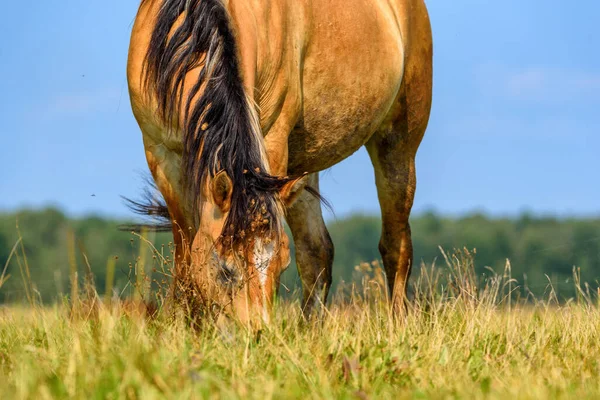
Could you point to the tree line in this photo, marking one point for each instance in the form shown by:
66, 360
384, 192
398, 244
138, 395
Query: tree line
43, 247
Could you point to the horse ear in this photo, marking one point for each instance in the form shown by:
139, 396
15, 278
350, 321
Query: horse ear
291, 190
222, 188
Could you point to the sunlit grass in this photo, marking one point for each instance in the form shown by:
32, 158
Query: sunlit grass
462, 338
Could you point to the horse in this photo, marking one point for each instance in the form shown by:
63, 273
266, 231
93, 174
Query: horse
242, 102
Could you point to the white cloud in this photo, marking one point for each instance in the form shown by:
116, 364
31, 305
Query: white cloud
538, 84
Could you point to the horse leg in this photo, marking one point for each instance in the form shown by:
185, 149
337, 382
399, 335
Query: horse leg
164, 167
314, 248
395, 180
392, 153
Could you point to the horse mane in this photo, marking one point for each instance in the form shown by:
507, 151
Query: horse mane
219, 123
152, 206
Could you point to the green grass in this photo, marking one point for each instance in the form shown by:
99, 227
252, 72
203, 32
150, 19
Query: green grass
461, 339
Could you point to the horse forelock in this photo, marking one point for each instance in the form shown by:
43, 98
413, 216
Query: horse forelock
218, 119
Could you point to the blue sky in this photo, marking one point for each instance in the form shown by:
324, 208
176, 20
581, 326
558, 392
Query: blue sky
514, 124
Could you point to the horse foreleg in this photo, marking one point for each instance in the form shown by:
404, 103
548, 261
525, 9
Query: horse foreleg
164, 167
314, 248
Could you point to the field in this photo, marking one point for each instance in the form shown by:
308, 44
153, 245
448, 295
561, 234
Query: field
462, 338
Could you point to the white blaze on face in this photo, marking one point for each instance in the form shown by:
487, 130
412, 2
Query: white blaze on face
262, 258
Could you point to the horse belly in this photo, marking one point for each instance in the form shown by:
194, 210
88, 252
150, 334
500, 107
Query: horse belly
350, 82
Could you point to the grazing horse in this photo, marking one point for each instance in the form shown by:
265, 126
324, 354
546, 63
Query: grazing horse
242, 102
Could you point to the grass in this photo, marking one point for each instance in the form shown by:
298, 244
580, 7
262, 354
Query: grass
462, 338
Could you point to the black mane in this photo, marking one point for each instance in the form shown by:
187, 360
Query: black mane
218, 120
152, 206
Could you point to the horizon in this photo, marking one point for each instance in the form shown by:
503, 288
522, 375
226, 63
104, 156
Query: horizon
331, 217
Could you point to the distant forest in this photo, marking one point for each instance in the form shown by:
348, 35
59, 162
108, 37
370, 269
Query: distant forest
541, 250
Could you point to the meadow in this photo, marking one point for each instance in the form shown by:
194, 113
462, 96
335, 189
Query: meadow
464, 336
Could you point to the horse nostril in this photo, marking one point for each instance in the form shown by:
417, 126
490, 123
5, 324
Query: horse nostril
227, 272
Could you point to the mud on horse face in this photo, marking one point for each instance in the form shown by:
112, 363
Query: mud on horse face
238, 267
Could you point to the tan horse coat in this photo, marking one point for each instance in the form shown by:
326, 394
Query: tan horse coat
327, 77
